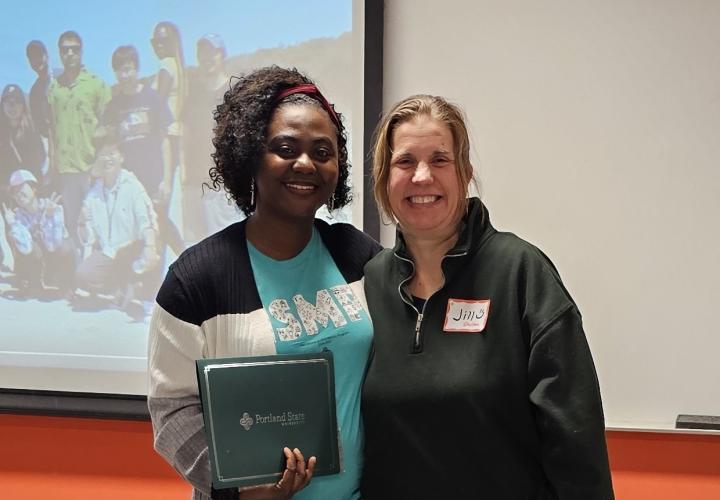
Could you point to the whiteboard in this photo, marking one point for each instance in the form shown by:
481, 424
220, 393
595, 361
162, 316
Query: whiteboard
596, 136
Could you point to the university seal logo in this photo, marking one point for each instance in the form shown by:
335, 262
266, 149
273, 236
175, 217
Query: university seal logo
246, 421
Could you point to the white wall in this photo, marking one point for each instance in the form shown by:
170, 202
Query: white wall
596, 134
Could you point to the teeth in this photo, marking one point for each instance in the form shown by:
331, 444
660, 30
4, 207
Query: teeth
302, 187
423, 199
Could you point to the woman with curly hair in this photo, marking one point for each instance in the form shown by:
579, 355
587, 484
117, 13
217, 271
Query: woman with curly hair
281, 281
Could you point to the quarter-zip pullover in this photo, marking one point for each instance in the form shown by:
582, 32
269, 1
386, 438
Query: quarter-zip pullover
490, 390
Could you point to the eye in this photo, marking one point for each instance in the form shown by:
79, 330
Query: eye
404, 162
441, 161
285, 151
323, 153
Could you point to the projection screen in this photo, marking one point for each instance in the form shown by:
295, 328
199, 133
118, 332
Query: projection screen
55, 336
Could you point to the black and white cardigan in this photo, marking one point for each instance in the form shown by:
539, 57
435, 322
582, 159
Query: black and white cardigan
207, 307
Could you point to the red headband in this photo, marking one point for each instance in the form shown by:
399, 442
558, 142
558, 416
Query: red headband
311, 90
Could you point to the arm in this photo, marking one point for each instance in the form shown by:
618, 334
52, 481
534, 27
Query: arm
146, 221
173, 399
568, 411
18, 235
164, 82
162, 119
165, 188
174, 404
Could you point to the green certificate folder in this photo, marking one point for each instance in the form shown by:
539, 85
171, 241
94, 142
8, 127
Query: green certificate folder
255, 406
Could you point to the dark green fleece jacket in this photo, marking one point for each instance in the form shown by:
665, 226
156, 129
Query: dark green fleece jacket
489, 391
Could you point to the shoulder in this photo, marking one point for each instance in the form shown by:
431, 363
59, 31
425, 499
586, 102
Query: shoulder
91, 79
129, 181
510, 249
170, 65
207, 257
535, 276
95, 192
53, 87
210, 278
381, 263
346, 237
149, 94
349, 247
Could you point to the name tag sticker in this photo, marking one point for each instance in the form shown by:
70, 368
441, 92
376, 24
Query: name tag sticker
468, 316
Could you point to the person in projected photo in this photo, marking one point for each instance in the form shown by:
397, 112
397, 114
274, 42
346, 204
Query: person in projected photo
170, 83
139, 116
43, 252
118, 232
204, 211
21, 145
280, 281
37, 57
77, 101
481, 383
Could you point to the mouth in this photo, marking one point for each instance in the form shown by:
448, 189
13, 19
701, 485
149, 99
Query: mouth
302, 188
426, 199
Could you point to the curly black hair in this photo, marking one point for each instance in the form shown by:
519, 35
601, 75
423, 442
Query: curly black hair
242, 121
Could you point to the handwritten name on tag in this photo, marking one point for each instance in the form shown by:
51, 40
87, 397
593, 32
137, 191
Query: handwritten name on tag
466, 315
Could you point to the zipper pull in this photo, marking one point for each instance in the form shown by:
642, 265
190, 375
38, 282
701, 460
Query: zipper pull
417, 330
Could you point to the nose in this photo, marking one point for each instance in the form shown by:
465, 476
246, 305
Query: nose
304, 164
423, 174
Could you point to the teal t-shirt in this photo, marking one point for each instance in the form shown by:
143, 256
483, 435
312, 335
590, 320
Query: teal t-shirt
311, 307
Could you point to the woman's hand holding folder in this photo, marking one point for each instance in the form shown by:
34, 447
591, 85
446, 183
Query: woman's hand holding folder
296, 476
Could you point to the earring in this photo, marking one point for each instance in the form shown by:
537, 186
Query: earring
331, 203
252, 192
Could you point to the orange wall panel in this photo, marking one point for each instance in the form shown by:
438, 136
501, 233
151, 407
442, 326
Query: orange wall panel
72, 458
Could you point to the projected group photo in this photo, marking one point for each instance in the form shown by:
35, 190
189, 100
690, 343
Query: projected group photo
105, 150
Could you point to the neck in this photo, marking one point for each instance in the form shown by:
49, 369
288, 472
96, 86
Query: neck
280, 239
111, 180
427, 252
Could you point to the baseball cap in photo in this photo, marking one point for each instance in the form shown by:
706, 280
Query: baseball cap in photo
214, 40
21, 176
13, 91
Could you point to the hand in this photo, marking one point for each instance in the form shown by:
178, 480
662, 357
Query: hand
52, 204
8, 214
164, 191
295, 477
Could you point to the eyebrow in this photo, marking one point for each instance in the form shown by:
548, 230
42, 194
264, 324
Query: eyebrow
292, 138
400, 153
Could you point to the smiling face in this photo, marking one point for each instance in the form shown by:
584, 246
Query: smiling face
24, 195
13, 108
163, 42
108, 164
299, 170
210, 59
423, 186
127, 77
